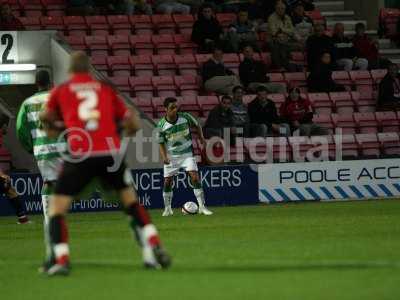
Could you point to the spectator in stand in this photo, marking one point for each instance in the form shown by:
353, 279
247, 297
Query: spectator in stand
132, 6
241, 32
320, 78
298, 113
389, 90
171, 7
281, 50
368, 49
80, 7
263, 111
308, 5
241, 119
216, 77
206, 30
7, 19
219, 118
317, 44
346, 54
253, 73
303, 25
280, 21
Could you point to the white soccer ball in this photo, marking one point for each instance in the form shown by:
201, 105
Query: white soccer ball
190, 208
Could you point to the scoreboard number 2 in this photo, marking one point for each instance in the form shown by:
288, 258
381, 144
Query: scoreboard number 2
8, 47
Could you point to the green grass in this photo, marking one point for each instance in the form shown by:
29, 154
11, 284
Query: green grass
347, 250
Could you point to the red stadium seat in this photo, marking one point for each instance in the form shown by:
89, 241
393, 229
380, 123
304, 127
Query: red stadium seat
141, 86
296, 79
76, 42
390, 143
164, 85
184, 44
298, 58
276, 77
207, 102
201, 59
361, 77
120, 24
369, 145
282, 152
377, 75
142, 24
142, 65
366, 122
325, 121
119, 44
142, 44
52, 23
100, 63
231, 61
225, 19
75, 25
32, 8
164, 43
186, 64
388, 121
321, 102
348, 145
342, 77
54, 8
98, 25
344, 123
31, 23
190, 105
184, 23
119, 65
343, 102
145, 105
187, 85
164, 64
158, 104
164, 24
97, 45
122, 84
364, 100
278, 99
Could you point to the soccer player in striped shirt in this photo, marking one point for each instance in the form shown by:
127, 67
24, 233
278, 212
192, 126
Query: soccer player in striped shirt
34, 140
176, 151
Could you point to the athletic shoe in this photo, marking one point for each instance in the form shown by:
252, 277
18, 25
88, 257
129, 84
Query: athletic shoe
46, 265
58, 270
205, 211
23, 220
156, 258
167, 212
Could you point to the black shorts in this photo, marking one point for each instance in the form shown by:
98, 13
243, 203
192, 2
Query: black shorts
75, 176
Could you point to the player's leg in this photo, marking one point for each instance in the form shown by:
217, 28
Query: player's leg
13, 198
190, 166
154, 255
167, 196
47, 191
170, 170
73, 178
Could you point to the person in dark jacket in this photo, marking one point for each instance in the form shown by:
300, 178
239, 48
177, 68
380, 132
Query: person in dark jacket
317, 44
7, 19
241, 32
263, 111
216, 77
346, 54
389, 90
320, 78
298, 112
206, 30
220, 117
253, 73
303, 24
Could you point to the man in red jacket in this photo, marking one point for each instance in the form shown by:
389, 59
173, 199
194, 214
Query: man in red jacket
7, 19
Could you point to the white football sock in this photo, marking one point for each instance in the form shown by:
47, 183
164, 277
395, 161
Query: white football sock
45, 206
167, 199
199, 193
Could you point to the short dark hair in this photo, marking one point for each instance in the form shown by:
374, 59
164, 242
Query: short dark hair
360, 25
80, 62
238, 87
261, 88
42, 78
224, 97
169, 100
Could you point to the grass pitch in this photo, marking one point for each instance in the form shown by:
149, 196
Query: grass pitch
347, 250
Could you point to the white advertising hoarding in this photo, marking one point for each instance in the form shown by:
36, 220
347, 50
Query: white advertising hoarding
331, 180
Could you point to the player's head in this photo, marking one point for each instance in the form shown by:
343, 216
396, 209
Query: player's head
171, 107
42, 80
79, 63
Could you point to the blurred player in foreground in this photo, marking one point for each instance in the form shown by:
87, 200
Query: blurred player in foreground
176, 151
91, 112
34, 140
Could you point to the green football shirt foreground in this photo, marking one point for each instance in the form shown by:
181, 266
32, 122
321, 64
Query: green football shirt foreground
342, 250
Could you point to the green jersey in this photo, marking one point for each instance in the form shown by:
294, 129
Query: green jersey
176, 136
34, 139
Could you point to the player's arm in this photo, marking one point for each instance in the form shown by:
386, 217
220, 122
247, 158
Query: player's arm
196, 126
23, 129
131, 122
164, 155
